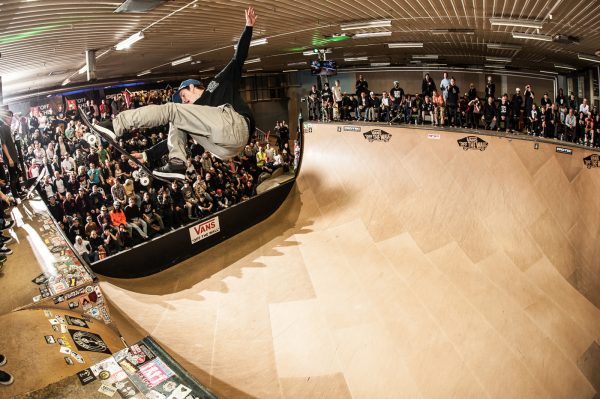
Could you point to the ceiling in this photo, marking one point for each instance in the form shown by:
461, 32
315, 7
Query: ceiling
42, 42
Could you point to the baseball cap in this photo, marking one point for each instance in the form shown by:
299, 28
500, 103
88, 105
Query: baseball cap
183, 85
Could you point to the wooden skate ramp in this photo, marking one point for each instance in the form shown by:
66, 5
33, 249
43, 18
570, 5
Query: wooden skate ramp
411, 268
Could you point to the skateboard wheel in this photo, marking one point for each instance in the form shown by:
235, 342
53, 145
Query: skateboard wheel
136, 175
92, 139
145, 181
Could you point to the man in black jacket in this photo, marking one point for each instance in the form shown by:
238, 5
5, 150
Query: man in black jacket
427, 86
516, 104
489, 114
216, 116
452, 102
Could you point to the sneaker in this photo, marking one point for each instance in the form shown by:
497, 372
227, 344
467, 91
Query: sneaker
172, 171
2, 360
5, 251
5, 239
7, 225
106, 128
5, 378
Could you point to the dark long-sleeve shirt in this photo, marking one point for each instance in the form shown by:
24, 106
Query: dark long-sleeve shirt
225, 87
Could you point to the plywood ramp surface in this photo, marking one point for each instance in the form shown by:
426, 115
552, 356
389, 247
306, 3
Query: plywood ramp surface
402, 269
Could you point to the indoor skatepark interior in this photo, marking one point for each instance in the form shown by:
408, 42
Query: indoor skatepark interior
472, 275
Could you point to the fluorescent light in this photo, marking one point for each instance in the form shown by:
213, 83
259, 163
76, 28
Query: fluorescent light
207, 70
591, 58
66, 82
371, 34
447, 31
289, 70
102, 54
299, 63
146, 72
351, 59
254, 70
521, 23
497, 59
380, 64
259, 42
501, 46
252, 61
366, 25
83, 70
435, 64
182, 60
425, 57
316, 51
494, 66
570, 68
551, 72
527, 36
405, 45
125, 44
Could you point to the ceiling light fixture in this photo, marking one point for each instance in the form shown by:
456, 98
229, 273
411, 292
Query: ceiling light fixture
591, 58
372, 34
531, 36
456, 31
366, 25
520, 23
82, 70
551, 72
289, 70
254, 70
502, 46
252, 61
125, 44
206, 70
146, 72
66, 82
380, 64
425, 57
405, 45
570, 68
259, 42
182, 60
494, 66
299, 63
497, 59
352, 59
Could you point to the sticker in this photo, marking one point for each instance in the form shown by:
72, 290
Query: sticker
204, 230
60, 319
89, 289
127, 367
74, 293
53, 321
48, 313
180, 392
73, 305
592, 161
85, 304
104, 375
77, 357
86, 376
154, 372
68, 360
63, 328
107, 390
563, 150
169, 386
75, 321
39, 280
95, 313
155, 395
126, 388
434, 136
36, 298
65, 350
87, 341
49, 339
56, 328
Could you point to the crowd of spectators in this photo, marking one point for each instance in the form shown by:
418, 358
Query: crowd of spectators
445, 104
96, 194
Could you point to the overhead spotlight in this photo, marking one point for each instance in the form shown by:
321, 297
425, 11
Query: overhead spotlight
371, 34
182, 60
366, 25
405, 45
531, 36
289, 70
519, 23
125, 44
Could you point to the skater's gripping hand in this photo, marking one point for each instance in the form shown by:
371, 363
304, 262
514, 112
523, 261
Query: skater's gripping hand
250, 16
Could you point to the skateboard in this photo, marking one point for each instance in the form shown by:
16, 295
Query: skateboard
144, 174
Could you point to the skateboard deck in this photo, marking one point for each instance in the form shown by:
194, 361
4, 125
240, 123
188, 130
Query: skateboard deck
144, 173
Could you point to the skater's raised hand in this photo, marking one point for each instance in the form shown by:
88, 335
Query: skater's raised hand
250, 16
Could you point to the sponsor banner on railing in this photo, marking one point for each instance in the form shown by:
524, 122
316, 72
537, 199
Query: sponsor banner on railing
205, 229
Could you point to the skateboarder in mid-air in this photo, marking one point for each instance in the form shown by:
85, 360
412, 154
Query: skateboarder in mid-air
215, 115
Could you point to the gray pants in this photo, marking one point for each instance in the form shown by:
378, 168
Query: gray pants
220, 130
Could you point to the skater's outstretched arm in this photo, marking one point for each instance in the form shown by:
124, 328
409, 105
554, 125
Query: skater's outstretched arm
233, 70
